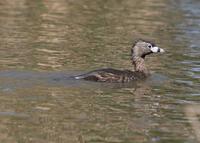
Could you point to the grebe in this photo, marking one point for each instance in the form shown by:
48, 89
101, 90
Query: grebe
139, 50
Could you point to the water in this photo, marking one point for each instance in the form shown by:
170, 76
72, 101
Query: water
44, 42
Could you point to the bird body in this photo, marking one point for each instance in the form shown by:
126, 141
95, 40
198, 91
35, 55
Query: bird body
112, 75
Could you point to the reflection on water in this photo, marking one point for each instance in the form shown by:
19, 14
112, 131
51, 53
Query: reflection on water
193, 113
42, 43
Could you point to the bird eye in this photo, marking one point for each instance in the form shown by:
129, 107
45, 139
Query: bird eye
149, 46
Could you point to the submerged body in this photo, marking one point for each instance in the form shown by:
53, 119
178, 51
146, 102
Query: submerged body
138, 52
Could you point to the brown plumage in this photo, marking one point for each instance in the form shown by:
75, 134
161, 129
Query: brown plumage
138, 52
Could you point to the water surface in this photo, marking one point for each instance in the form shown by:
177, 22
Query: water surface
44, 42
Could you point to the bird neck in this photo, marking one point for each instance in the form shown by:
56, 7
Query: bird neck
139, 65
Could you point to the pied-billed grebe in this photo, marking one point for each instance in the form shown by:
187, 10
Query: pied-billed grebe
139, 50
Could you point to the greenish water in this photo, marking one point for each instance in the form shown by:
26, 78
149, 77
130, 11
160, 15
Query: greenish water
44, 42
